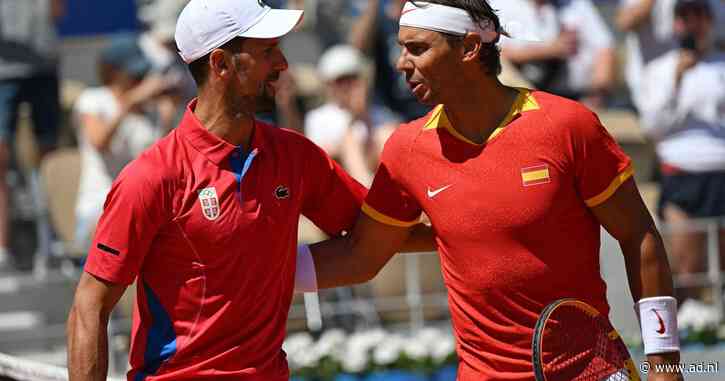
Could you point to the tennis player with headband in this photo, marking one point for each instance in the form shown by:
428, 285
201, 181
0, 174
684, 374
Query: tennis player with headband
517, 184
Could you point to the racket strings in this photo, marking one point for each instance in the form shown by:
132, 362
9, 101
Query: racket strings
578, 348
611, 349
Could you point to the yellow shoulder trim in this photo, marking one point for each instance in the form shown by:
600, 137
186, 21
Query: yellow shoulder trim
382, 218
613, 186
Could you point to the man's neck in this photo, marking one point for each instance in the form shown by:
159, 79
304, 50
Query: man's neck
232, 126
477, 115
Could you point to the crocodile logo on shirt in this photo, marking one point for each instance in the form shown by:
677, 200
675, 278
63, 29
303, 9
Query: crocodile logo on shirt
209, 203
281, 192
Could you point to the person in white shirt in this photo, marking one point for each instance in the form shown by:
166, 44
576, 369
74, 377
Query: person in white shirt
348, 127
575, 58
682, 101
649, 27
158, 45
114, 126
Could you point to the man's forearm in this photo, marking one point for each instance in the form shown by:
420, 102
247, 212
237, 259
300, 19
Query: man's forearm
87, 347
528, 53
647, 267
604, 70
420, 240
649, 275
363, 29
359, 256
338, 263
631, 17
352, 157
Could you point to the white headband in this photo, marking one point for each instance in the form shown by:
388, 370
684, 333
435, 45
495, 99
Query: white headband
445, 19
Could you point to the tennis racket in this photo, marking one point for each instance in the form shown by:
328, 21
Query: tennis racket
574, 342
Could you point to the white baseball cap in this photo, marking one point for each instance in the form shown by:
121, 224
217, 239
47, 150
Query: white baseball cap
340, 60
205, 25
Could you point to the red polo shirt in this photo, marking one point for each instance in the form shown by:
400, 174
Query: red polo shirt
512, 218
211, 235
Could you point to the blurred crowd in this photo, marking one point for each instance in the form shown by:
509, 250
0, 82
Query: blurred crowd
672, 62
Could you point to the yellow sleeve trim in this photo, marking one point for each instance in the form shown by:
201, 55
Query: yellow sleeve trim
377, 216
613, 186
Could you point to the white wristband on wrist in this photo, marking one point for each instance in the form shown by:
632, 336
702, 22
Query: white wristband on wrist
658, 321
305, 276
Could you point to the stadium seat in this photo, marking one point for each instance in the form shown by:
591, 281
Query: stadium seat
60, 175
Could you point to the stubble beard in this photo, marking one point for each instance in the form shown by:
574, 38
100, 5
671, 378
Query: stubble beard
249, 105
265, 101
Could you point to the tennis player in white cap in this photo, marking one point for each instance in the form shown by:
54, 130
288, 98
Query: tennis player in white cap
206, 220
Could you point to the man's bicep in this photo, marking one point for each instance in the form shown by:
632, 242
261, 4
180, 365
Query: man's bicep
97, 294
373, 236
624, 214
357, 257
331, 197
376, 242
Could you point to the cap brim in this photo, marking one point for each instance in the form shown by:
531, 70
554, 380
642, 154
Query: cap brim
276, 23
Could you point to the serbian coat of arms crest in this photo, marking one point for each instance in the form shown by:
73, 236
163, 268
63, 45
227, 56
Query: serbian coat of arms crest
209, 203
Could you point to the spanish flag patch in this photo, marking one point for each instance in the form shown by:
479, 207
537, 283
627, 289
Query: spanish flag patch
538, 174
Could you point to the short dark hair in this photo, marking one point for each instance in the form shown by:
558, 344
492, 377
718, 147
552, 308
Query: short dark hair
199, 68
481, 13
682, 7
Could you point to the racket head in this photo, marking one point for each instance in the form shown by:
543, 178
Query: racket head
572, 341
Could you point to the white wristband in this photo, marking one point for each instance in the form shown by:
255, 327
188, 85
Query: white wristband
305, 275
658, 321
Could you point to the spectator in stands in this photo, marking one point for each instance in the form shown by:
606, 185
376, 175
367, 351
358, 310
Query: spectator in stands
576, 58
682, 99
649, 27
333, 21
376, 32
649, 24
115, 124
28, 73
347, 126
159, 47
